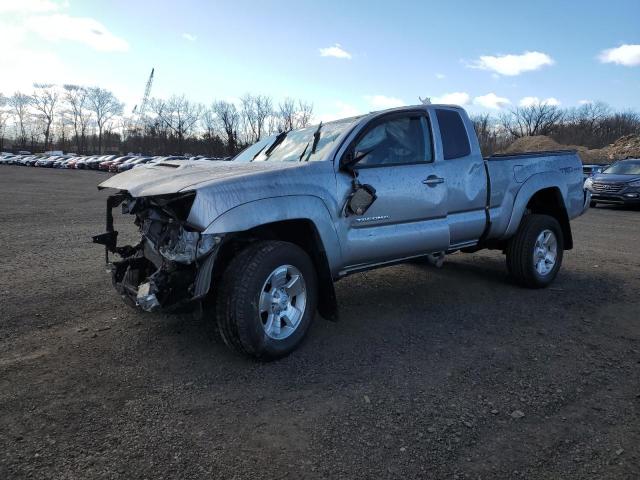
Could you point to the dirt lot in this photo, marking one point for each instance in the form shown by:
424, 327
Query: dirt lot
452, 373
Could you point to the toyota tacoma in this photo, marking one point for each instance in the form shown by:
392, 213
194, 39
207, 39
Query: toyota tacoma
260, 240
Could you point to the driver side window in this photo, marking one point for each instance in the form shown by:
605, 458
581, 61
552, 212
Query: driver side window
396, 141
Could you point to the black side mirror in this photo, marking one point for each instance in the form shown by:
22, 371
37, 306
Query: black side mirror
361, 199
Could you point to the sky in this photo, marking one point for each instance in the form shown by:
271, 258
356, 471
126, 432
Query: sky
346, 57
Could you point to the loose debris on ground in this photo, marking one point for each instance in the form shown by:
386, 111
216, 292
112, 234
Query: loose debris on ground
450, 373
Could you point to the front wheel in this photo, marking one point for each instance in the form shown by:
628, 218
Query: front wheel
267, 299
534, 254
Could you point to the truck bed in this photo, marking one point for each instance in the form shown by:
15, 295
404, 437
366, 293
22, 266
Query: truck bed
512, 174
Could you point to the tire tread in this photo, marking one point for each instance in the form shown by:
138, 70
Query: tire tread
234, 290
520, 246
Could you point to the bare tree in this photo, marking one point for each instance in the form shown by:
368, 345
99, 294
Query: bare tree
34, 129
19, 103
3, 119
286, 115
304, 114
209, 121
590, 113
292, 114
63, 129
485, 132
77, 99
229, 118
179, 115
256, 109
618, 125
104, 105
44, 101
539, 119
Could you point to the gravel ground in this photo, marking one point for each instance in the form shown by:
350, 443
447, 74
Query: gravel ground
452, 373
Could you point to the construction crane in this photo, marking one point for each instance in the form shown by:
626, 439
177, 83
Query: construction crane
139, 111
147, 91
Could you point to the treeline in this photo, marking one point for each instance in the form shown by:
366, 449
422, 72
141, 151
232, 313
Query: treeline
91, 120
592, 125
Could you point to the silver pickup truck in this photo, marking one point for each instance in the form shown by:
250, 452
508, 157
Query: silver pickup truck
260, 240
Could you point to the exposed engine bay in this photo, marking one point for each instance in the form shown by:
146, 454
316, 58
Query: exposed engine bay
172, 264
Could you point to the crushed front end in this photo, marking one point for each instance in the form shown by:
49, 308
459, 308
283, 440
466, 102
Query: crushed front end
171, 265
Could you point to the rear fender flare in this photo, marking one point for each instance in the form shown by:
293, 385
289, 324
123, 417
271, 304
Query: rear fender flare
531, 186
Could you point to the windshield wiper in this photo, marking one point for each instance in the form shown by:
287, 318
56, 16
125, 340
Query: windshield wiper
256, 155
303, 152
279, 139
316, 139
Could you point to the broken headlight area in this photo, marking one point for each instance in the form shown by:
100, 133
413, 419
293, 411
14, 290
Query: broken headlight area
177, 243
172, 263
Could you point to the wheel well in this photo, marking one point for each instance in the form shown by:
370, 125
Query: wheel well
549, 201
301, 232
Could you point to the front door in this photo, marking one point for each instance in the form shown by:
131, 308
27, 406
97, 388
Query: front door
409, 216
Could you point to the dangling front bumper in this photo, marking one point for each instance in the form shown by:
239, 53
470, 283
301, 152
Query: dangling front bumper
171, 266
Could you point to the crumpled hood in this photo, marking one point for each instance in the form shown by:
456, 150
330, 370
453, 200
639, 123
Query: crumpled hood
177, 176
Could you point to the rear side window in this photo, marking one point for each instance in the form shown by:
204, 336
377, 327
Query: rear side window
455, 142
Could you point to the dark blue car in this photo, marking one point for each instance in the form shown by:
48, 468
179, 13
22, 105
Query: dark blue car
618, 184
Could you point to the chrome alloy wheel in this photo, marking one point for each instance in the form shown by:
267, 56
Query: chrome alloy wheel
282, 302
545, 252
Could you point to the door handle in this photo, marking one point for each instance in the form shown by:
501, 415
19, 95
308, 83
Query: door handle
432, 180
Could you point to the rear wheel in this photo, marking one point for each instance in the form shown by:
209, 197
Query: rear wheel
534, 254
267, 299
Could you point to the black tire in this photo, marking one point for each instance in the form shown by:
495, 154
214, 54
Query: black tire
593, 204
237, 311
520, 251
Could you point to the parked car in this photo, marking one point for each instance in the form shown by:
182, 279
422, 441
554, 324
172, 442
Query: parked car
590, 170
618, 184
132, 162
113, 165
106, 161
7, 158
72, 162
94, 162
264, 236
46, 162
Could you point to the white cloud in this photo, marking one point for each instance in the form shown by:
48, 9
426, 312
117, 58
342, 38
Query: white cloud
440, 76
78, 29
512, 65
455, 98
552, 101
30, 6
336, 51
189, 36
585, 102
492, 101
627, 55
342, 110
30, 59
381, 102
26, 64
531, 101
